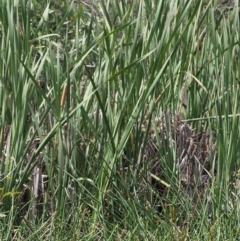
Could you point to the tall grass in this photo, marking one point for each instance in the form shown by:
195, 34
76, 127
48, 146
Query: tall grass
74, 164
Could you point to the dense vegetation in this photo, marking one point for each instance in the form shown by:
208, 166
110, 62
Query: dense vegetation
119, 120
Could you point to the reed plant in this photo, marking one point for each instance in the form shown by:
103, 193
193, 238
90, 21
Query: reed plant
82, 85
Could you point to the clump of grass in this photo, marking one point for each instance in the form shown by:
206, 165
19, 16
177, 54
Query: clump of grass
74, 164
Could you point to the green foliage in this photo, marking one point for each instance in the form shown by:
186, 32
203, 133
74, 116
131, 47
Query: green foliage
81, 85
